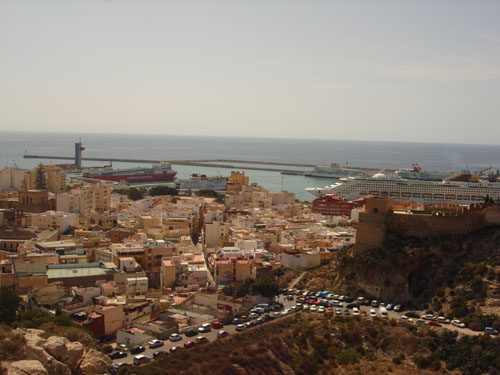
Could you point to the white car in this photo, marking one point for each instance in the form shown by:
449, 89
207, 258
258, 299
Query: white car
313, 308
321, 309
458, 323
205, 327
373, 314
175, 337
240, 327
355, 311
443, 320
428, 317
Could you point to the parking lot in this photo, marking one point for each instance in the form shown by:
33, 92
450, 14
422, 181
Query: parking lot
294, 302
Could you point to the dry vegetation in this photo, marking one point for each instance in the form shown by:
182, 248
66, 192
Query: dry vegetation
305, 344
454, 276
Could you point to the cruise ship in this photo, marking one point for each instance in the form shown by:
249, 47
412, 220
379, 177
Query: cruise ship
202, 182
158, 172
461, 189
333, 171
417, 173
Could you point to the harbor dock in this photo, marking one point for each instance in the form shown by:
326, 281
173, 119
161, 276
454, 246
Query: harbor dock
213, 163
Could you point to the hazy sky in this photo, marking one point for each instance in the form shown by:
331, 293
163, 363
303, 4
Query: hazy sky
369, 70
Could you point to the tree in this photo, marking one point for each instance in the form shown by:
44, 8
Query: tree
9, 301
266, 286
40, 178
134, 194
162, 190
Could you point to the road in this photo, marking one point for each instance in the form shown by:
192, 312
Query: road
231, 329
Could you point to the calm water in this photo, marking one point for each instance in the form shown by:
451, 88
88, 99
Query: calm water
162, 147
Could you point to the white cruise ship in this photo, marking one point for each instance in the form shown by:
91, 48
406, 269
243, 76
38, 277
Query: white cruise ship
333, 171
418, 173
454, 189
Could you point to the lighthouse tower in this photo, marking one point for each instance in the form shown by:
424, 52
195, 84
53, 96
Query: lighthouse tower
78, 153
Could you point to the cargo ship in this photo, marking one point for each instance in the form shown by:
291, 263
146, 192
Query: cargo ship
158, 172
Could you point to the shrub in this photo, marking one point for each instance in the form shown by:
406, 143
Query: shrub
348, 356
422, 361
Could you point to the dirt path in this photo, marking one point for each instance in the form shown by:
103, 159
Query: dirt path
296, 280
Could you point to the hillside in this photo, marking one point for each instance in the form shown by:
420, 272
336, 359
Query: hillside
457, 276
318, 344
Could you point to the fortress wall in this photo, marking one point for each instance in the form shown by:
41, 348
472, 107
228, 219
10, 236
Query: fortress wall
433, 226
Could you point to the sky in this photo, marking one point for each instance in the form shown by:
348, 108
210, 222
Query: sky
422, 71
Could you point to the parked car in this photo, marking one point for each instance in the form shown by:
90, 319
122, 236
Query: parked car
428, 317
115, 367
374, 303
420, 321
217, 325
189, 344
158, 353
491, 331
201, 339
412, 314
390, 307
240, 327
373, 314
338, 311
321, 309
122, 347
117, 354
155, 343
313, 308
458, 323
221, 334
346, 312
173, 349
355, 311
190, 332
105, 338
205, 327
175, 337
237, 321
253, 315
137, 349
397, 308
364, 313
140, 359
443, 320
433, 323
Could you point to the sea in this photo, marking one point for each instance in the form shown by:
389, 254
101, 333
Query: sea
393, 155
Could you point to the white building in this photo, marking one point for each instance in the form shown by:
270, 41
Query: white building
296, 261
76, 201
136, 285
12, 178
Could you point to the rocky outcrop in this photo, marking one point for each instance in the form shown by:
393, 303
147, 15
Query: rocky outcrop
26, 367
56, 347
57, 355
94, 362
75, 354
